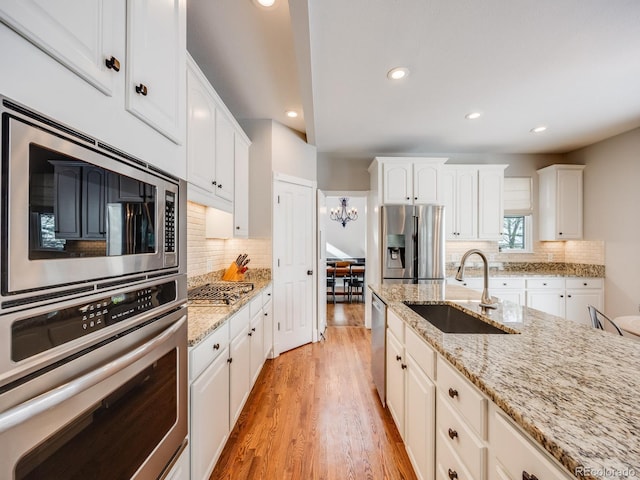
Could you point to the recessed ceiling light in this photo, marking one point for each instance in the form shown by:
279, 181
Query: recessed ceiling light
473, 115
397, 73
539, 129
291, 113
265, 3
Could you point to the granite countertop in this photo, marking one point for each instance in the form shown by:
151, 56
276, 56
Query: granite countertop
575, 389
204, 319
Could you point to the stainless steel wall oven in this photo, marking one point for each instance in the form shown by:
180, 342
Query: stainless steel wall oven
93, 332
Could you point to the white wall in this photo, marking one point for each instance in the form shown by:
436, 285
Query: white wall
350, 239
611, 201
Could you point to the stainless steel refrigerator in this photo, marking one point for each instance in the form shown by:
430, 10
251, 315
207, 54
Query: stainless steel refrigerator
412, 243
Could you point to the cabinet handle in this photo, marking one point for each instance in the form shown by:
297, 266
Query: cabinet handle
452, 433
142, 89
568, 296
561, 296
398, 358
219, 185
452, 474
453, 393
268, 294
237, 227
253, 329
403, 366
415, 198
113, 63
214, 183
266, 314
504, 284
250, 333
528, 476
408, 198
544, 284
585, 284
560, 233
216, 346
229, 360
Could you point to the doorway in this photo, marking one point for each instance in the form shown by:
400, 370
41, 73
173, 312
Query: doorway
342, 252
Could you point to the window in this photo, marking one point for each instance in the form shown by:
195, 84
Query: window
516, 234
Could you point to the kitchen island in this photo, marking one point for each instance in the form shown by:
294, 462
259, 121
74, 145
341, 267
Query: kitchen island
573, 389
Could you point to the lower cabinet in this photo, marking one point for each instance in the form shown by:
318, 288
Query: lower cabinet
239, 374
396, 380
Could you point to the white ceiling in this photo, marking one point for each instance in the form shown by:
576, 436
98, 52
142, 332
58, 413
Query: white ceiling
572, 65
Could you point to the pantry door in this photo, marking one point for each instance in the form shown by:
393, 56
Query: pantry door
294, 220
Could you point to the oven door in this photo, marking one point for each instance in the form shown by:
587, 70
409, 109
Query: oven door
77, 213
122, 418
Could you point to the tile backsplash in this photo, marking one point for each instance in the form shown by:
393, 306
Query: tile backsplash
206, 255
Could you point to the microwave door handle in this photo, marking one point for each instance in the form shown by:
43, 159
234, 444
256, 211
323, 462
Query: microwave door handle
23, 412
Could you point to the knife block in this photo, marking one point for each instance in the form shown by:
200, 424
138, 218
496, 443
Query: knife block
233, 274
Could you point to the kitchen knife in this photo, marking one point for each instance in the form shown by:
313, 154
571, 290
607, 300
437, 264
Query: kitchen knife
244, 264
239, 260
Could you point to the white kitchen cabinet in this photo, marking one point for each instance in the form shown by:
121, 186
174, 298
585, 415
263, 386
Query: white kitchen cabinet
80, 34
547, 296
408, 181
256, 334
267, 312
581, 292
511, 289
560, 202
88, 37
396, 365
239, 373
490, 202
209, 416
156, 49
460, 199
241, 187
225, 158
513, 455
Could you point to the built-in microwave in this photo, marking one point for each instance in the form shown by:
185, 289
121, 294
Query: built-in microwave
78, 215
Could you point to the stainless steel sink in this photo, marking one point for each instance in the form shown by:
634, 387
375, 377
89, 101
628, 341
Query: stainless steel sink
449, 319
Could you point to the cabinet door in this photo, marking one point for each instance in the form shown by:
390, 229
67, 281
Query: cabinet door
569, 207
94, 198
241, 190
420, 429
448, 199
225, 157
395, 381
201, 134
239, 380
156, 46
577, 302
80, 34
268, 328
490, 204
509, 295
67, 201
425, 183
551, 302
209, 416
257, 345
397, 183
467, 204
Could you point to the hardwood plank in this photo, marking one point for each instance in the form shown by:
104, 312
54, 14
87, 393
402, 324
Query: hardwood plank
345, 314
314, 413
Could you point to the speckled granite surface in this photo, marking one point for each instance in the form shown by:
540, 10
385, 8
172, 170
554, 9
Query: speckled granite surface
206, 319
525, 269
574, 389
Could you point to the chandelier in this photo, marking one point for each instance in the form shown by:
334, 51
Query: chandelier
343, 214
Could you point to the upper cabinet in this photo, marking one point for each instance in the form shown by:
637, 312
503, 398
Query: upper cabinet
490, 201
560, 202
408, 181
94, 40
217, 152
460, 199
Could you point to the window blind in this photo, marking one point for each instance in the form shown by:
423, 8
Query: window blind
517, 195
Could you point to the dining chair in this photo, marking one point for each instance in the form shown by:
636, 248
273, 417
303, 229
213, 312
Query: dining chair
331, 281
599, 319
356, 281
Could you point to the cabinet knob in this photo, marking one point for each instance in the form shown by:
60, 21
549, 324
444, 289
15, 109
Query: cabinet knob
214, 183
415, 198
408, 198
113, 63
504, 284
216, 346
452, 474
403, 366
560, 233
142, 89
528, 476
229, 360
452, 433
561, 296
453, 393
253, 329
266, 314
219, 185
237, 227
544, 284
585, 284
250, 333
398, 358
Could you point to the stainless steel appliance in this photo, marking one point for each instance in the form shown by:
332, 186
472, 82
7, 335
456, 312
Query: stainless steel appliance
93, 335
378, 344
78, 213
412, 243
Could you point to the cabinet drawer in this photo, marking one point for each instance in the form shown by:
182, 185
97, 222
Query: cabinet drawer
462, 440
577, 283
423, 354
517, 454
474, 283
448, 464
465, 397
255, 306
267, 293
201, 356
506, 282
543, 283
396, 325
239, 322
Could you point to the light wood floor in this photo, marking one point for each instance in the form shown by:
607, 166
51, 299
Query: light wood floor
345, 314
315, 414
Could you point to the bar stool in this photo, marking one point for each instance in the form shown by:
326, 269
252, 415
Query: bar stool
599, 319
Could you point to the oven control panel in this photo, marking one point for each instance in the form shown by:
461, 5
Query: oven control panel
170, 223
33, 335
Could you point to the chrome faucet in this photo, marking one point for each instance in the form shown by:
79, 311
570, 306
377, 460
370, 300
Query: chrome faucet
485, 301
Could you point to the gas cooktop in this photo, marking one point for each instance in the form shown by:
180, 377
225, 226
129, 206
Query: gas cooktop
219, 293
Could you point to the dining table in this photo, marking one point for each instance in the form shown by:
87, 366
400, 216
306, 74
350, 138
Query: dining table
345, 270
629, 324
